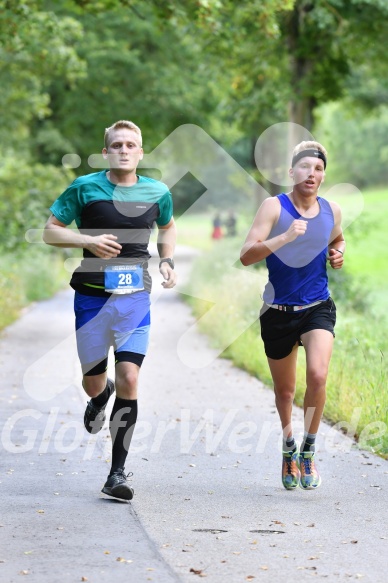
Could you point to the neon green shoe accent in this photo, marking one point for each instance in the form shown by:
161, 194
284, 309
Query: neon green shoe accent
290, 470
309, 476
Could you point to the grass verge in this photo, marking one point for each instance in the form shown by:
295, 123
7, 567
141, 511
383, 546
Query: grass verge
30, 276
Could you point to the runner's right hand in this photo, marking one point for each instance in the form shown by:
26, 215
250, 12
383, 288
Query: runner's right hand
104, 246
297, 228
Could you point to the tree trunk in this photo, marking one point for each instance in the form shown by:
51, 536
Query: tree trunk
302, 102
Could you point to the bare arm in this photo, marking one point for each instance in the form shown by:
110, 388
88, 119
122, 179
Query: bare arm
166, 247
104, 246
257, 247
337, 241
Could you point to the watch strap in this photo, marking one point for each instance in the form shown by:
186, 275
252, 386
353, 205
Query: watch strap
167, 260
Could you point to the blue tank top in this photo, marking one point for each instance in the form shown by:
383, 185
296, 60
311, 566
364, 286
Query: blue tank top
297, 272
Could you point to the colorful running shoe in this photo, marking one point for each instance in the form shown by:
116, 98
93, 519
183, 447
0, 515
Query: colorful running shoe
309, 476
290, 470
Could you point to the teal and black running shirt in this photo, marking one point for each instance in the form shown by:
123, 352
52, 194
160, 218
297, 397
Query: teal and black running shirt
100, 207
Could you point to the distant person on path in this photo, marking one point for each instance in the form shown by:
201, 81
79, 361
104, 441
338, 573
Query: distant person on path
297, 233
114, 211
230, 224
217, 227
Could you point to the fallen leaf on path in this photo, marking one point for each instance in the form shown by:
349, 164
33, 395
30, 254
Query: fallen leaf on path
84, 579
249, 578
24, 572
106, 552
40, 511
264, 567
197, 572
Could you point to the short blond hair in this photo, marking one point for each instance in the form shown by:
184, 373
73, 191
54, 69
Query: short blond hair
309, 145
118, 125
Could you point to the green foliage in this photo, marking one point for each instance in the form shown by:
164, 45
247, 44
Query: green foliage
285, 58
134, 71
28, 276
27, 190
357, 142
35, 47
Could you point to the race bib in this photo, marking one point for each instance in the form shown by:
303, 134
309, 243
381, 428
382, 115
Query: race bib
123, 279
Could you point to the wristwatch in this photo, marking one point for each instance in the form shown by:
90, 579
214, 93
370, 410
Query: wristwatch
167, 260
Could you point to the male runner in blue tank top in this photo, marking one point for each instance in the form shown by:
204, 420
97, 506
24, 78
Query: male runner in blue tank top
114, 211
297, 233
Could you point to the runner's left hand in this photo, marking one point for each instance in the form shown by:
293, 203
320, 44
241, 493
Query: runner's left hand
335, 258
169, 276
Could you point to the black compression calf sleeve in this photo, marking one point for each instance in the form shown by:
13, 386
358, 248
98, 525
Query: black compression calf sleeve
122, 425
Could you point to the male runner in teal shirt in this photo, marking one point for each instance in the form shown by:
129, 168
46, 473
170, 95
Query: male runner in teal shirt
114, 211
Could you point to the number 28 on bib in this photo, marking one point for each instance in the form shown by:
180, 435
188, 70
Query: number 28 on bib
124, 279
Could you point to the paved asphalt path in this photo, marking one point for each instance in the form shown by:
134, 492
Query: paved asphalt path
206, 471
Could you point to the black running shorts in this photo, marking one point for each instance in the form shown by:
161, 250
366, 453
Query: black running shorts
281, 330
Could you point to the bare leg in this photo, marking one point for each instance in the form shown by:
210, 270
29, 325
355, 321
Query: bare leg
283, 373
127, 376
95, 384
318, 345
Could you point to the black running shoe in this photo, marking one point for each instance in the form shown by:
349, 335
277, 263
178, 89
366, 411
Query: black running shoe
94, 417
117, 485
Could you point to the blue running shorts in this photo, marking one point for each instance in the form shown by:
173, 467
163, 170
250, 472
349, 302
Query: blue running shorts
121, 321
